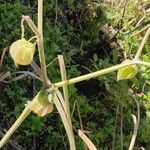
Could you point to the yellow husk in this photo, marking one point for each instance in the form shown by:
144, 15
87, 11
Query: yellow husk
22, 52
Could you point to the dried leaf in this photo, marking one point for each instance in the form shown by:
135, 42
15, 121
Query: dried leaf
2, 56
3, 76
87, 141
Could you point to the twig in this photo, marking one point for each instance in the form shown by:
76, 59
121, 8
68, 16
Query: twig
40, 42
22, 28
32, 25
20, 119
24, 74
141, 30
65, 88
119, 5
136, 125
99, 73
5, 75
81, 124
66, 123
12, 143
34, 37
65, 91
51, 62
36, 68
39, 34
144, 40
2, 56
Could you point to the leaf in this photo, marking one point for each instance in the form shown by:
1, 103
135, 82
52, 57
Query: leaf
127, 72
95, 57
88, 142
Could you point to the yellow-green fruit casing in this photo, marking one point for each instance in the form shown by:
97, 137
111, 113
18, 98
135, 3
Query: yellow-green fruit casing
127, 72
22, 52
40, 104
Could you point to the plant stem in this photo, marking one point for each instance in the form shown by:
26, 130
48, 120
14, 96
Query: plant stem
144, 40
39, 33
98, 73
24, 114
32, 26
66, 97
136, 121
65, 87
40, 43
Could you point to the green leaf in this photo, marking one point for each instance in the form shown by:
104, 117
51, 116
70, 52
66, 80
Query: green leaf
127, 72
95, 57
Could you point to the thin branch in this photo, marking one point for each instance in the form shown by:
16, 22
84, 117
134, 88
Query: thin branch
32, 25
143, 63
139, 51
136, 125
40, 43
40, 17
66, 97
65, 88
99, 73
5, 75
34, 37
22, 28
81, 124
2, 56
11, 142
51, 62
141, 30
17, 123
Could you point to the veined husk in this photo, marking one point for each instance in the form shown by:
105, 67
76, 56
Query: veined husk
127, 72
40, 104
22, 52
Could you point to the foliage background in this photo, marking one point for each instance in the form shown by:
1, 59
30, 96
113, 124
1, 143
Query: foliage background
73, 28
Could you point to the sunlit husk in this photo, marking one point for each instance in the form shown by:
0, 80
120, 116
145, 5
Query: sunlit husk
127, 72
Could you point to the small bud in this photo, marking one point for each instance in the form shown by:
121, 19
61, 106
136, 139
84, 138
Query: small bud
40, 104
127, 72
22, 52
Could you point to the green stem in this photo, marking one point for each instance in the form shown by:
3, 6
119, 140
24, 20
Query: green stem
65, 87
40, 43
27, 110
39, 33
24, 114
98, 73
